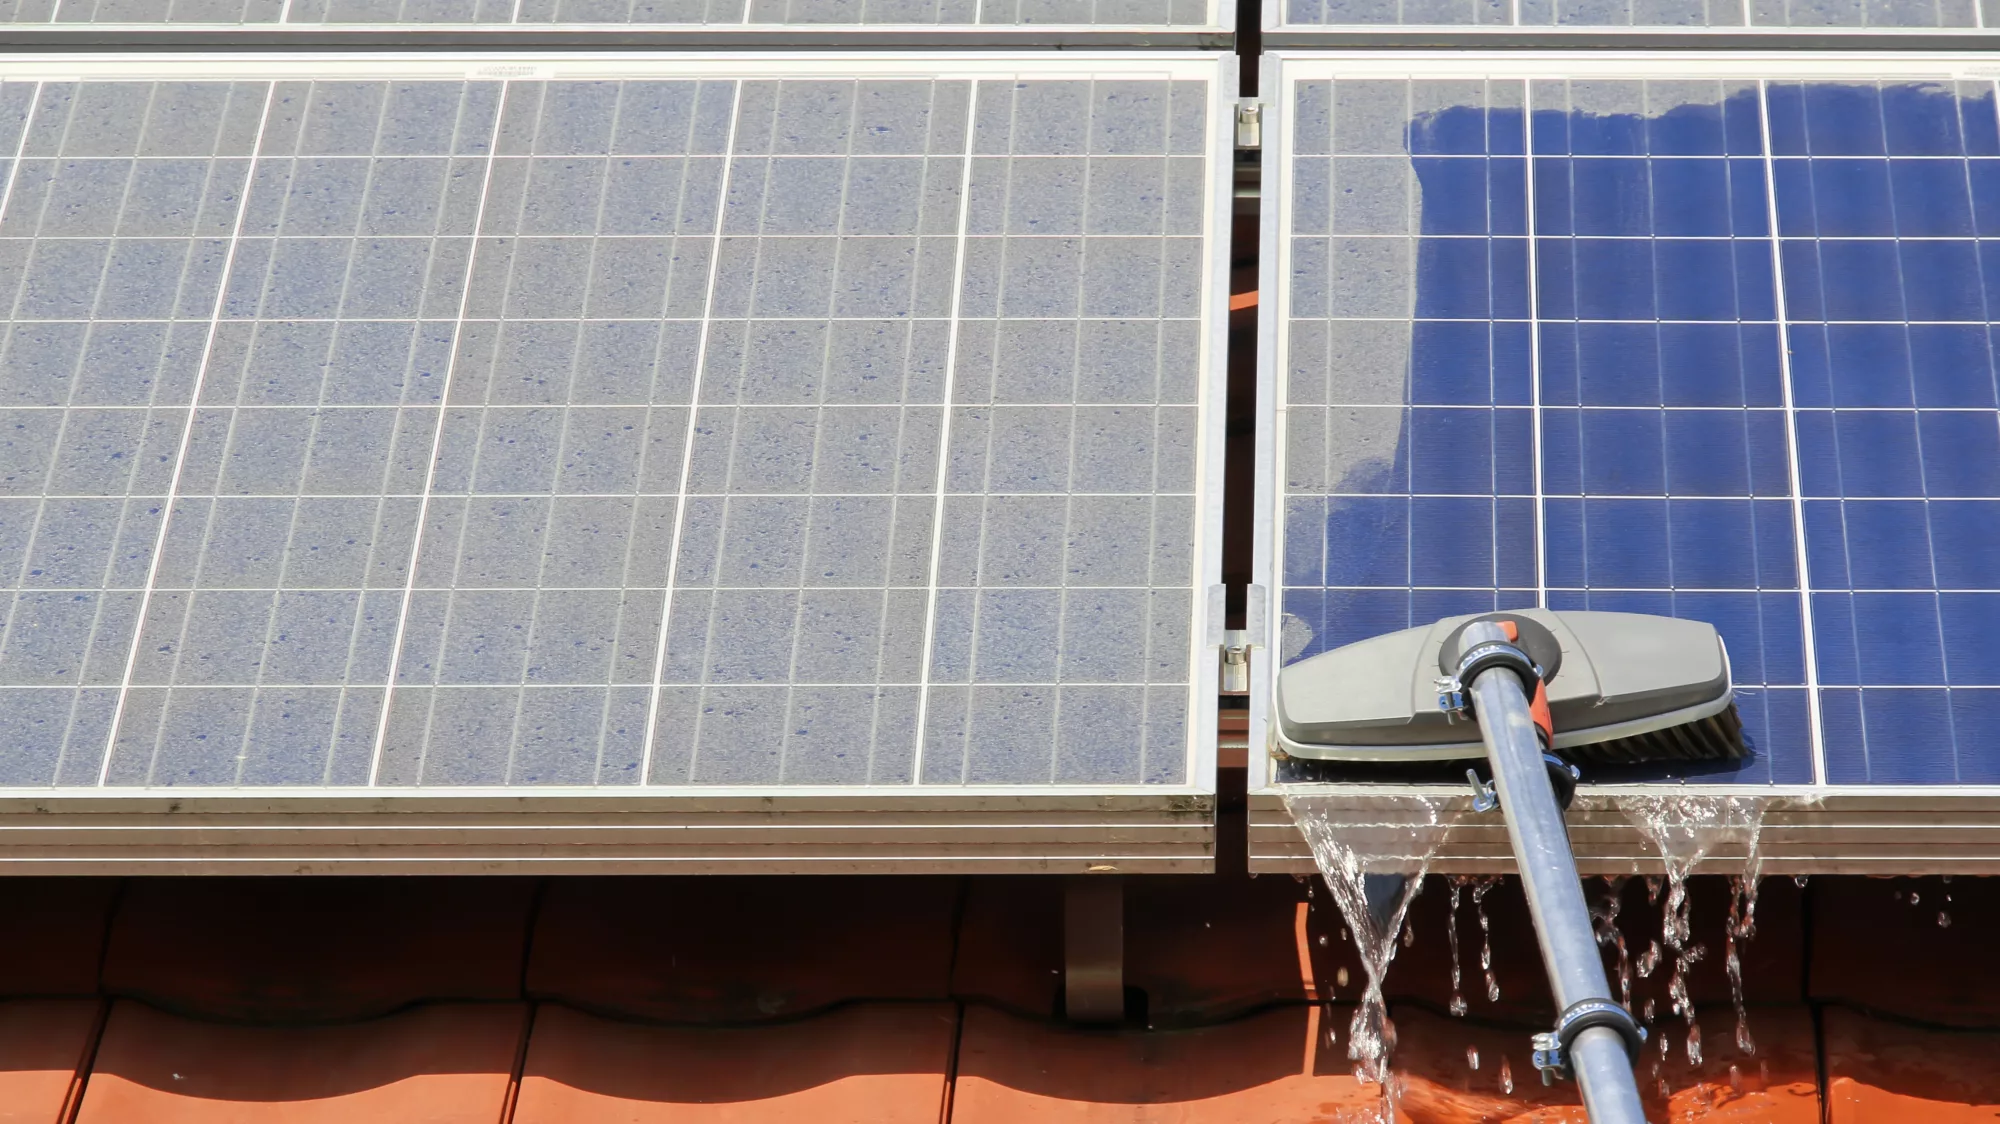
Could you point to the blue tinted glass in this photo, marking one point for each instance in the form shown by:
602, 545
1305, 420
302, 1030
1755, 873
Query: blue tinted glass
1688, 130
1708, 452
1469, 363
1866, 364
1605, 197
1963, 534
1622, 453
1933, 198
1952, 364
1984, 183
1451, 541
1961, 454
1969, 623
1457, 196
1850, 199
1457, 131
1692, 198
1921, 121
1721, 364
1860, 281
1843, 120
1367, 540
1619, 364
1471, 279
1941, 281
1888, 737
1713, 544
1975, 722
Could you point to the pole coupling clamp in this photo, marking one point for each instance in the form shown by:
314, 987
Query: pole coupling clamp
1454, 690
1552, 1048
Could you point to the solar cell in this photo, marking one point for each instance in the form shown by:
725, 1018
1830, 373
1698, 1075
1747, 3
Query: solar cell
1713, 345
716, 424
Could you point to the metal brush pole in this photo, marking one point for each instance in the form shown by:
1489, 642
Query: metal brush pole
1598, 1055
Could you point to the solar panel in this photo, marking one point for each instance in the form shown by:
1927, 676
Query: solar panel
1295, 21
714, 425
1707, 342
938, 17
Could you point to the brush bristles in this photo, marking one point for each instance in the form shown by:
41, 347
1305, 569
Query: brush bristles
1719, 737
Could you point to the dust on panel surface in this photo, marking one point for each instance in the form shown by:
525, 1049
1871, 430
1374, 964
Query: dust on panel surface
1538, 351
941, 15
368, 431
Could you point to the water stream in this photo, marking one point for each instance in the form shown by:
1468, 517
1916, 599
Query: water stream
1685, 829
1374, 864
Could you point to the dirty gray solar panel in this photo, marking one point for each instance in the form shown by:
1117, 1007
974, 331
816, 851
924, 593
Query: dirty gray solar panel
481, 398
940, 14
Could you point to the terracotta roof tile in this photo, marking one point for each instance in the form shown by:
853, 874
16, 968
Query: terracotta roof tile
1267, 1067
439, 1064
42, 1044
1438, 1084
1879, 1071
866, 1064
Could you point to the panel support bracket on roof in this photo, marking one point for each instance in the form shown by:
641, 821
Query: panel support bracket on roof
1094, 948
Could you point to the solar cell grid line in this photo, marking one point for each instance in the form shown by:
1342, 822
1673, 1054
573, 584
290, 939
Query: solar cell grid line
1815, 717
687, 445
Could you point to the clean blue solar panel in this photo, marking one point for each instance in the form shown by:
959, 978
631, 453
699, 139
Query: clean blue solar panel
1598, 347
698, 431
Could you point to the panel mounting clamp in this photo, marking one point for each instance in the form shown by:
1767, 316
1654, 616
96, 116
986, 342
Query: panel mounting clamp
1249, 123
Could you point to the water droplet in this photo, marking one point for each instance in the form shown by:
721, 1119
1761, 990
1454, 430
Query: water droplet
1735, 1081
1506, 1077
1409, 936
1799, 880
1458, 1007
1694, 1043
1944, 920
1648, 960
1472, 1056
1916, 898
1340, 978
1649, 1010
1322, 940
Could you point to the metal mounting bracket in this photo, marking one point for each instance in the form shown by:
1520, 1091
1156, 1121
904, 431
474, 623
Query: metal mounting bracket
1094, 949
1249, 123
1236, 661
